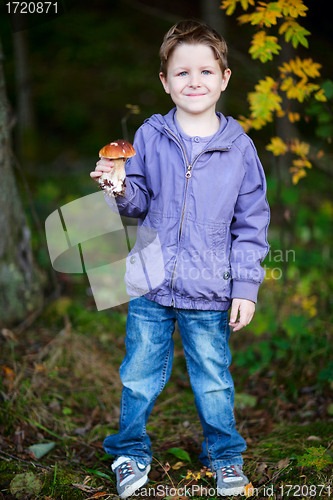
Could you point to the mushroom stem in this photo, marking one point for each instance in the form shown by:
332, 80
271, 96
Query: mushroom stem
113, 183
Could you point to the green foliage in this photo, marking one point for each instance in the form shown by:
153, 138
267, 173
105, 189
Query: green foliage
179, 453
326, 375
323, 113
315, 457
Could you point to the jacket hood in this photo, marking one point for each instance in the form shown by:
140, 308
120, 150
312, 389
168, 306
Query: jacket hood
228, 132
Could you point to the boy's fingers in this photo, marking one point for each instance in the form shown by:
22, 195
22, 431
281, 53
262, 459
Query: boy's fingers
95, 173
233, 314
103, 165
246, 313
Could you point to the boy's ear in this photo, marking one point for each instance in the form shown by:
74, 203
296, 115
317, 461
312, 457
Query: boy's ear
164, 82
225, 79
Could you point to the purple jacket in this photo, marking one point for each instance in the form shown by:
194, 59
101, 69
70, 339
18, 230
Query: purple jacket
211, 216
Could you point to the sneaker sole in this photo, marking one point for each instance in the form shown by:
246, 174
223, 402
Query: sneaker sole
135, 486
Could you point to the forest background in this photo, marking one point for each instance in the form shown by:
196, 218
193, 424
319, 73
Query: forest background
72, 83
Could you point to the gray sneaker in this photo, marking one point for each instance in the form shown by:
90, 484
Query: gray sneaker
231, 480
130, 476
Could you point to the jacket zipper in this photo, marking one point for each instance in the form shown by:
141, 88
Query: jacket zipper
187, 175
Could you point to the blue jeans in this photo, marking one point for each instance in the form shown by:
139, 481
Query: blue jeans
147, 367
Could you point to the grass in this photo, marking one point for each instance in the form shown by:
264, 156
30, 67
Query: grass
61, 383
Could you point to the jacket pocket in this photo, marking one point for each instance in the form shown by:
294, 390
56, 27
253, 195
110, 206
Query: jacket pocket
217, 241
203, 268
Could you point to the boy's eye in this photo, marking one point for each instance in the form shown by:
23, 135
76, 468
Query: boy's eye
206, 72
182, 73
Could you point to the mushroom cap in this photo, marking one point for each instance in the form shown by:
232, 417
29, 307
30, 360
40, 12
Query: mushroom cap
117, 149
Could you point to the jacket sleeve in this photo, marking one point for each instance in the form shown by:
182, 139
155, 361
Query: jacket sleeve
136, 201
249, 227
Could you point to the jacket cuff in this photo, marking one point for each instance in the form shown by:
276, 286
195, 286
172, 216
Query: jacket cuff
245, 290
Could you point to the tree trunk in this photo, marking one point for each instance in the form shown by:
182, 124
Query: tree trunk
26, 144
215, 18
20, 281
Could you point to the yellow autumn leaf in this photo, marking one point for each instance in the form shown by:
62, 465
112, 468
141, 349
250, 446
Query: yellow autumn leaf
264, 15
294, 32
277, 146
230, 5
320, 95
178, 465
265, 100
246, 123
302, 162
300, 148
309, 305
298, 90
302, 68
189, 474
248, 490
264, 46
280, 113
297, 175
294, 117
293, 8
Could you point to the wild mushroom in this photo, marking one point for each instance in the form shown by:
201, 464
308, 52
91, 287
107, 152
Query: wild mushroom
113, 183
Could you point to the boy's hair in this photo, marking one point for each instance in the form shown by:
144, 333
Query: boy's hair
192, 32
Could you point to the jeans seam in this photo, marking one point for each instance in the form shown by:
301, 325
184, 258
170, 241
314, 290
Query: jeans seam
219, 435
162, 384
160, 387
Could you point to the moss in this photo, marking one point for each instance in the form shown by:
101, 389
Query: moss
61, 490
294, 438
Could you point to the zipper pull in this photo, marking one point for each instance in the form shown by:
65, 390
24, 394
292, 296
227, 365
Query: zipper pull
188, 173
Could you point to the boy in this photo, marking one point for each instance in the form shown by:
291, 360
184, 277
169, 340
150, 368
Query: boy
197, 180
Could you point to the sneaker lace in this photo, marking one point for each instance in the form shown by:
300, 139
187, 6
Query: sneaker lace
125, 470
229, 472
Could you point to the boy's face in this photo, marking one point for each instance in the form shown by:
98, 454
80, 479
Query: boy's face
194, 80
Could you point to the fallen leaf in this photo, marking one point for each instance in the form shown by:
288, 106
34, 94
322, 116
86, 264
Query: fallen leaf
261, 468
313, 438
166, 467
178, 465
248, 490
283, 463
24, 485
98, 495
8, 373
37, 451
81, 431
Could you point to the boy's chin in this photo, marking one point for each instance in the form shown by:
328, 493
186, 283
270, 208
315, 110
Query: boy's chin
196, 110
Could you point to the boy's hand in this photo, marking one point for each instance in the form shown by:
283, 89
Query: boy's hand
103, 165
246, 310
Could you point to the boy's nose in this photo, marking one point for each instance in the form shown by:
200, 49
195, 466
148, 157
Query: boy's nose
195, 81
